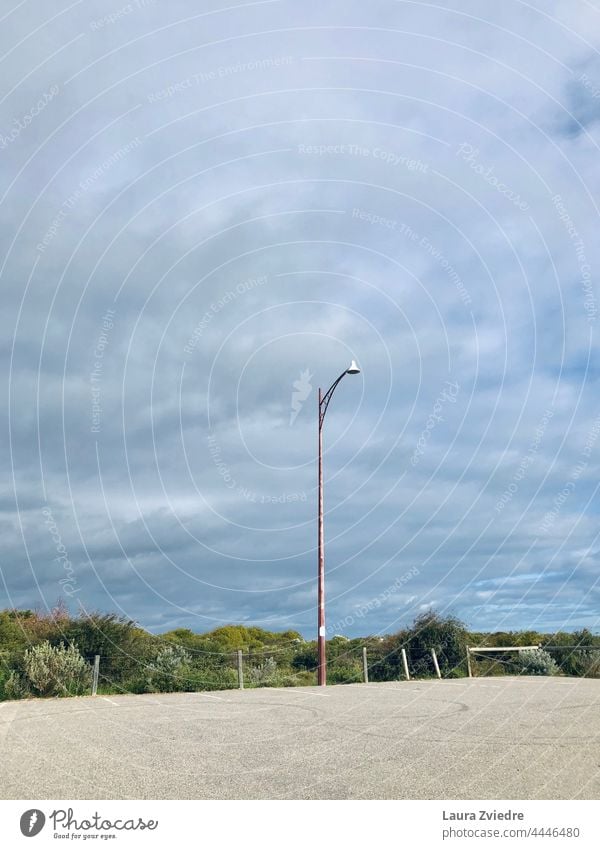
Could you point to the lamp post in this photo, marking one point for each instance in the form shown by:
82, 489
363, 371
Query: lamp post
324, 400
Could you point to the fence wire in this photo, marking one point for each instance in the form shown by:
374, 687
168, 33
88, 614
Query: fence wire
169, 667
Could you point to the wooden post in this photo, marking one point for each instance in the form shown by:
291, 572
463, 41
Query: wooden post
435, 663
469, 670
405, 664
240, 660
365, 668
95, 674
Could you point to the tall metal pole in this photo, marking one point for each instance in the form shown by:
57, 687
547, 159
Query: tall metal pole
324, 400
322, 660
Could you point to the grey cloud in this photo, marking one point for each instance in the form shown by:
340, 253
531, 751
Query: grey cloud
247, 167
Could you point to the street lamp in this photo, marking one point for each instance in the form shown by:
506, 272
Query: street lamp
323, 404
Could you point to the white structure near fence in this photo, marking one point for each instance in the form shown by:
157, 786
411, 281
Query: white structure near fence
471, 650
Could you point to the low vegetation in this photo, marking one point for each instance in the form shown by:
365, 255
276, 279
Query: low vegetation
51, 654
536, 662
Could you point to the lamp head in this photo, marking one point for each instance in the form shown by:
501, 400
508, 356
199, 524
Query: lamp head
354, 369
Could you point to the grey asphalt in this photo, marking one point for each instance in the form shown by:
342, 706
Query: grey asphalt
492, 738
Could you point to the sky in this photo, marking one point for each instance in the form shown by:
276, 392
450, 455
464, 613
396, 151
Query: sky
207, 211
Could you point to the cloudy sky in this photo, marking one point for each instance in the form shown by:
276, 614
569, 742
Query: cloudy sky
207, 210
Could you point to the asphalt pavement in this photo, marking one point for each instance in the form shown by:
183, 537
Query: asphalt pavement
489, 738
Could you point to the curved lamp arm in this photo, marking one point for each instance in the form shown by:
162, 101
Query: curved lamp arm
324, 402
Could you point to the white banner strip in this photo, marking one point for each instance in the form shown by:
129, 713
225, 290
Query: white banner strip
291, 824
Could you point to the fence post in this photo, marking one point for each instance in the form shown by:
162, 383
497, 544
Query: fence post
365, 668
435, 663
469, 670
405, 664
240, 660
95, 674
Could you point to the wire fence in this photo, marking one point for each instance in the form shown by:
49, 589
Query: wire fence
52, 672
56, 671
581, 661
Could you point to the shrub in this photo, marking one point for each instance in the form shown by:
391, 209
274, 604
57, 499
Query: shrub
11, 632
535, 662
137, 684
345, 672
264, 674
5, 672
166, 673
15, 687
297, 679
305, 658
51, 671
592, 669
211, 678
124, 648
571, 659
446, 634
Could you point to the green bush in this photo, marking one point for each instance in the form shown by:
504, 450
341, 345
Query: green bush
50, 671
297, 679
15, 686
210, 678
264, 674
345, 672
166, 674
572, 660
446, 634
136, 684
305, 658
535, 662
592, 668
44, 653
102, 633
4, 676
